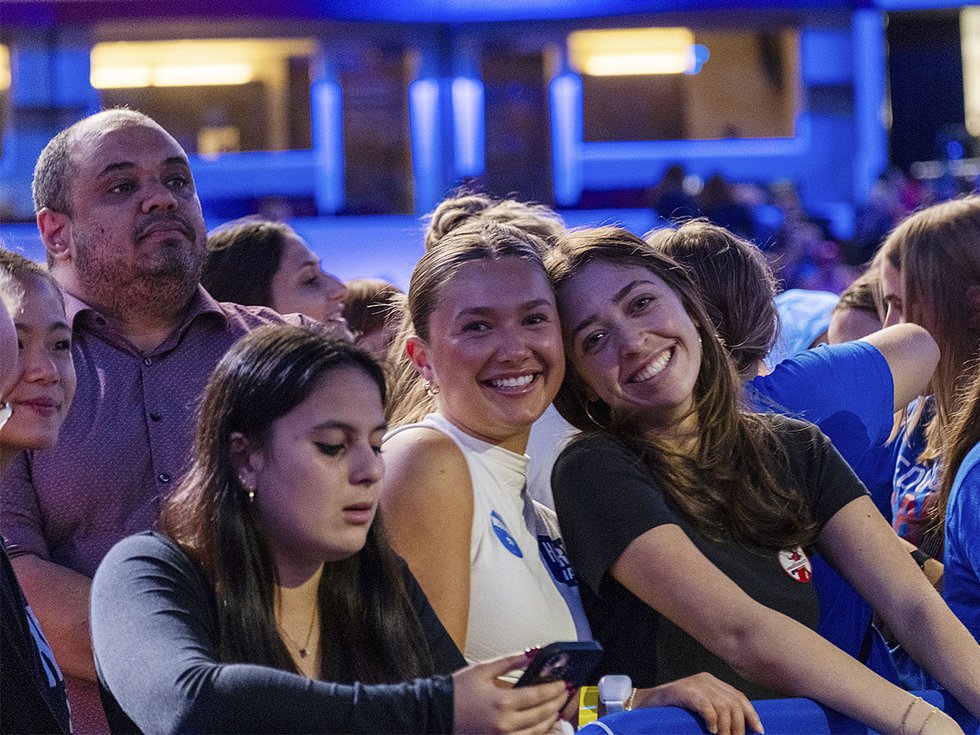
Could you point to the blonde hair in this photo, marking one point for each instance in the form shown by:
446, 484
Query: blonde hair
464, 206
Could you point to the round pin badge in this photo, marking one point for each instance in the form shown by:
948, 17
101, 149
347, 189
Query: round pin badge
796, 564
503, 533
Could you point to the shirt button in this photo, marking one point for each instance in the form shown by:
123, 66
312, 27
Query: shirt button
163, 477
100, 321
147, 361
155, 416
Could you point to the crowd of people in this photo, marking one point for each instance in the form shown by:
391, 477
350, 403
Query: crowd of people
240, 495
806, 250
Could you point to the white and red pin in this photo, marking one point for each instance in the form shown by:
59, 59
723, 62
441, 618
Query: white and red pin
796, 564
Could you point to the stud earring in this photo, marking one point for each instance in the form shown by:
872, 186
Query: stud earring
431, 388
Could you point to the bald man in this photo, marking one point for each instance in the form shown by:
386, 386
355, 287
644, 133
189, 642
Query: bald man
124, 235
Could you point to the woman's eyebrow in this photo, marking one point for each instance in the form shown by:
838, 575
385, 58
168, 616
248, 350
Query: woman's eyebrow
617, 298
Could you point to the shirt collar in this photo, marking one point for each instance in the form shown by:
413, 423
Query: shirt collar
202, 305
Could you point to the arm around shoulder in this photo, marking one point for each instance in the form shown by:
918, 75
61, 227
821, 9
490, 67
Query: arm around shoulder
912, 356
427, 504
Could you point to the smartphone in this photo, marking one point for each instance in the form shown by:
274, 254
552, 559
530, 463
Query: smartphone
569, 661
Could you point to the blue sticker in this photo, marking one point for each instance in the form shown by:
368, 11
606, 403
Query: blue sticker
500, 528
553, 553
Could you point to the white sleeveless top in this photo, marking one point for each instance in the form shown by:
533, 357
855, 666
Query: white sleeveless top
523, 591
549, 435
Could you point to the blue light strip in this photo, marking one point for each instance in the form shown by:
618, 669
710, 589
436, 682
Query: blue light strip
567, 135
468, 127
327, 126
700, 54
423, 110
870, 82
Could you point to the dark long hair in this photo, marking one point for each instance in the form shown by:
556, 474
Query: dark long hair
725, 486
243, 257
374, 634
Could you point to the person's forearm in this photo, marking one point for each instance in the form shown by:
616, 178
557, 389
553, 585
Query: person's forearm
939, 642
59, 598
789, 657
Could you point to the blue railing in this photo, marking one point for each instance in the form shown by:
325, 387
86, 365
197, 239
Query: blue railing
779, 717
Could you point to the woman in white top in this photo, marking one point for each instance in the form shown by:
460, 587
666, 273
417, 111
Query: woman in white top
486, 346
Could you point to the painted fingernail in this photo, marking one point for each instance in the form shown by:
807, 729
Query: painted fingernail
532, 652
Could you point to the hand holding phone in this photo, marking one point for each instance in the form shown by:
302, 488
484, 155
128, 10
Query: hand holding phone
568, 661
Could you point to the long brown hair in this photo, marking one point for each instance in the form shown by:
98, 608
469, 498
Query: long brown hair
725, 487
937, 252
736, 283
374, 634
478, 240
964, 433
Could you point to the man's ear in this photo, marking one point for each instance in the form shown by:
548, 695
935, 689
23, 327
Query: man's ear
418, 353
55, 229
247, 459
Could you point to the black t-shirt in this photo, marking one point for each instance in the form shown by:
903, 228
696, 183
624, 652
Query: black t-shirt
32, 695
154, 636
606, 498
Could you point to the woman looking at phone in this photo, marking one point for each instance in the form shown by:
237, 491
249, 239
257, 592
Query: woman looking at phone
690, 520
272, 602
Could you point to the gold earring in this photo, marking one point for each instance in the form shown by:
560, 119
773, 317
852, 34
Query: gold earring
587, 404
249, 490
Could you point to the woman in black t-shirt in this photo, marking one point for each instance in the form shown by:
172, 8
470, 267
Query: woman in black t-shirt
690, 519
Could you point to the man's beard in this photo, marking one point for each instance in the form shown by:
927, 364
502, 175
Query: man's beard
160, 289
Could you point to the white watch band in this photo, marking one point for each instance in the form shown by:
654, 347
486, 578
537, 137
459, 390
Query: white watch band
614, 691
